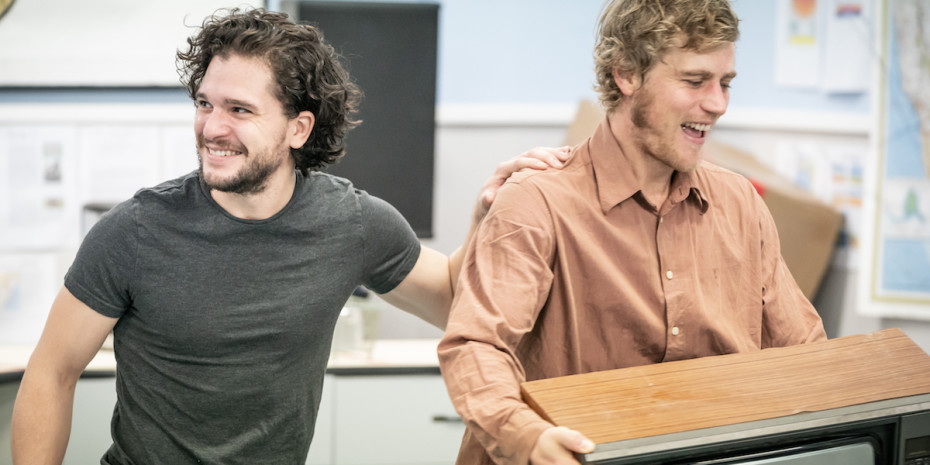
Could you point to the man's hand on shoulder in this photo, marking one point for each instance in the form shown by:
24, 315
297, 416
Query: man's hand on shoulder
538, 158
557, 445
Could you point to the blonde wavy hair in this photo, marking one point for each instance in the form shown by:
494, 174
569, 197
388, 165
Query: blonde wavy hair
633, 35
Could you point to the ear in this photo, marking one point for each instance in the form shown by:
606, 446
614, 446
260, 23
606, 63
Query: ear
627, 81
300, 128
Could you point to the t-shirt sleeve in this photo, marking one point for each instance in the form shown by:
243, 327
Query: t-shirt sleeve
391, 248
102, 272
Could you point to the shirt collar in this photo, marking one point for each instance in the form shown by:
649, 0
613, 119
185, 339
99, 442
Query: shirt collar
685, 187
616, 179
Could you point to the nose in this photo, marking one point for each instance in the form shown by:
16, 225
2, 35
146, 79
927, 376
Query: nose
716, 100
213, 124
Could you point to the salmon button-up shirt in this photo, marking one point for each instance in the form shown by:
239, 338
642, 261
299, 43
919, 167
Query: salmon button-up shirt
573, 271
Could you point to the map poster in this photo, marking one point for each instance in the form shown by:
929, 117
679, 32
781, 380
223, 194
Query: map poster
896, 272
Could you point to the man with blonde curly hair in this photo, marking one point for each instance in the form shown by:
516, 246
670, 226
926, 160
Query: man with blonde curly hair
636, 252
222, 287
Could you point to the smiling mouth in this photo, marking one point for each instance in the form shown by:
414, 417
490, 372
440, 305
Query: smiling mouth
223, 153
696, 129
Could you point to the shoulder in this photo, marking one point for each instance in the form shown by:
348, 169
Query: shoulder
179, 189
148, 205
324, 187
551, 181
332, 197
721, 185
578, 166
322, 181
534, 198
716, 173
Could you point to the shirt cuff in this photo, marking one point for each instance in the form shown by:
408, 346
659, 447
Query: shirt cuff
520, 436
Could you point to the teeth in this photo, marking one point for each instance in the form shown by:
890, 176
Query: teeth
699, 127
222, 153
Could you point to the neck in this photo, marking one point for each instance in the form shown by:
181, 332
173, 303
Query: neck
279, 188
653, 175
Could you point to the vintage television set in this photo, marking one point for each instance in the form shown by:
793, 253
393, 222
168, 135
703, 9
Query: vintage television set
857, 400
390, 50
894, 435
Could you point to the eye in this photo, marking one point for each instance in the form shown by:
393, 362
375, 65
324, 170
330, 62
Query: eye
694, 83
200, 103
240, 110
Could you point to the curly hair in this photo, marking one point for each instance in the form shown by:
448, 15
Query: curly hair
634, 34
307, 71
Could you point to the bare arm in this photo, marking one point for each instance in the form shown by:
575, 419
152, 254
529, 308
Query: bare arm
427, 290
42, 413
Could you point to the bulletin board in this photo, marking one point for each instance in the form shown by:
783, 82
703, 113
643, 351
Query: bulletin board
56, 161
896, 277
99, 43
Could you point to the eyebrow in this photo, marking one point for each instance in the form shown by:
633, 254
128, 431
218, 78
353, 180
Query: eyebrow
707, 74
239, 103
230, 102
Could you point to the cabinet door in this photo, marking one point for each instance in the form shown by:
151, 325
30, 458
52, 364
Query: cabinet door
321, 449
7, 397
394, 420
94, 399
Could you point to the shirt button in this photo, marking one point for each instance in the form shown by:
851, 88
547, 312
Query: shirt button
661, 219
669, 274
675, 331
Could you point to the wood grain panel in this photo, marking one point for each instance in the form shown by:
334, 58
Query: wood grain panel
672, 397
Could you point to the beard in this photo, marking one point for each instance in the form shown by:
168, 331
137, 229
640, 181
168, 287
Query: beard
251, 179
650, 138
640, 109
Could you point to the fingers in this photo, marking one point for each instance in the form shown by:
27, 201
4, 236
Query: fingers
544, 157
574, 441
538, 158
556, 445
487, 197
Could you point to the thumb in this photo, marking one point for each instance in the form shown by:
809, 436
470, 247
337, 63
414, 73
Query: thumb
575, 441
487, 198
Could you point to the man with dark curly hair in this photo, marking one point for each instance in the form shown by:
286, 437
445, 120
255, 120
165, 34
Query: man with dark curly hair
635, 252
222, 287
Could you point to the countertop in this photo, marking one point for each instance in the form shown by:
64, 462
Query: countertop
385, 357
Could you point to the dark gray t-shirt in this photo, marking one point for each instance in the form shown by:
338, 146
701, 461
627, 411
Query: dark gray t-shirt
225, 324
